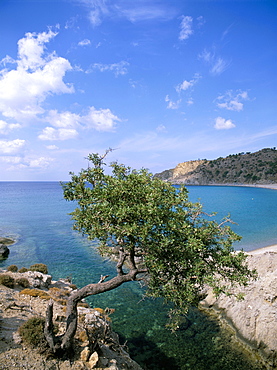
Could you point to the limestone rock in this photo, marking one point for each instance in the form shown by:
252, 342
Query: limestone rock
93, 360
37, 279
16, 308
84, 356
254, 319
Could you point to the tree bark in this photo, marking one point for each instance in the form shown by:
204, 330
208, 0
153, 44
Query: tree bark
48, 328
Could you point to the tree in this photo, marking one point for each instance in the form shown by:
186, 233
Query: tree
154, 233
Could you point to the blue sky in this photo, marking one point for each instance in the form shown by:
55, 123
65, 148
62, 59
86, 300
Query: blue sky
160, 81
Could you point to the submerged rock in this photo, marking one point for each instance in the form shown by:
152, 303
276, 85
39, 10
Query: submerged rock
6, 241
253, 319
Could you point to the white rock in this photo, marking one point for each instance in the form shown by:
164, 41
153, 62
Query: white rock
93, 360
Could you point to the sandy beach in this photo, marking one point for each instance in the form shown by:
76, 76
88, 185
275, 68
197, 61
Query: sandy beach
270, 248
266, 186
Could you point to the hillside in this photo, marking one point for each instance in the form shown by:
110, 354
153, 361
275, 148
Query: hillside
243, 168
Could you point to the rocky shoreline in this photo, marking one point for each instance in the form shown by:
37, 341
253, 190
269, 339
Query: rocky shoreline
19, 304
4, 250
253, 319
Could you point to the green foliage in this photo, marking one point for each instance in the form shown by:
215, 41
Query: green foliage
139, 215
23, 282
22, 270
40, 267
12, 268
7, 280
31, 331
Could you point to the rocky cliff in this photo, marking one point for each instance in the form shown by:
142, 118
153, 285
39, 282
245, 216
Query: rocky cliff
243, 168
253, 319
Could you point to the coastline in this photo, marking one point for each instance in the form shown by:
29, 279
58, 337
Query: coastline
265, 186
269, 248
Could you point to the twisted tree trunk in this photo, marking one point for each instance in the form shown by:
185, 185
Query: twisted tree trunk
62, 345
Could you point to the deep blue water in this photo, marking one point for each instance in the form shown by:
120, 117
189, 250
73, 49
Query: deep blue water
36, 216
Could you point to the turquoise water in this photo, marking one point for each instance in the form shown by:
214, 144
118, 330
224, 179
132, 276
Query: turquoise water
254, 210
36, 216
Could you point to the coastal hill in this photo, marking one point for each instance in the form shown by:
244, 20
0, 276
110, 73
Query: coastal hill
241, 169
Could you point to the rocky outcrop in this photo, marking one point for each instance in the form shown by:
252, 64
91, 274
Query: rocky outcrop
96, 346
4, 250
253, 319
243, 168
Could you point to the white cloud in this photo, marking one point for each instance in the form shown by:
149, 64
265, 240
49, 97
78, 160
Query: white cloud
40, 162
217, 64
118, 68
37, 75
12, 146
142, 12
133, 11
64, 119
50, 133
7, 60
223, 124
84, 42
186, 28
161, 128
101, 120
66, 124
10, 159
52, 147
232, 101
201, 21
31, 49
171, 104
94, 17
5, 127
185, 85
17, 162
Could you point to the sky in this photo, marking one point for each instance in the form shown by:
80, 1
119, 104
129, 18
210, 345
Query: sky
158, 81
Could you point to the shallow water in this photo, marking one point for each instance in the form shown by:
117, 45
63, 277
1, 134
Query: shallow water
36, 215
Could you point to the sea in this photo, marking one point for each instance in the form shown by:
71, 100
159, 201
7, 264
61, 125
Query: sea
36, 216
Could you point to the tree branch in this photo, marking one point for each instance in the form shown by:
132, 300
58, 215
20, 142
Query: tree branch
48, 327
120, 263
103, 278
88, 290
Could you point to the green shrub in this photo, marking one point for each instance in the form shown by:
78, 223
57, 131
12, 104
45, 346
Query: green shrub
23, 282
40, 267
12, 268
23, 269
7, 280
31, 332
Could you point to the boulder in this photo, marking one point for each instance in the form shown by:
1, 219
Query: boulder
37, 279
4, 251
